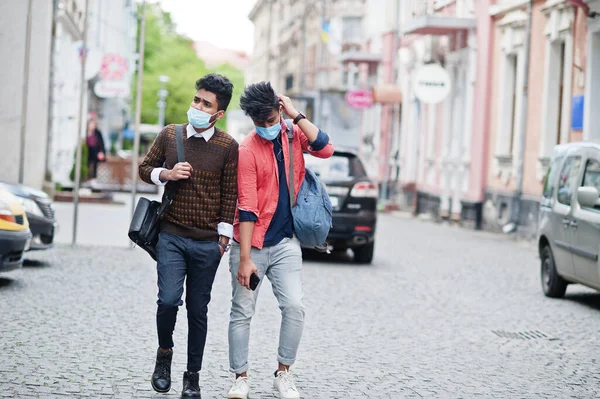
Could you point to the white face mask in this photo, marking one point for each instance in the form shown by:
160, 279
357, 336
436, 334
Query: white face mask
199, 119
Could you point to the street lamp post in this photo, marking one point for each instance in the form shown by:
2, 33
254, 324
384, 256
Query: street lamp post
138, 108
162, 95
82, 125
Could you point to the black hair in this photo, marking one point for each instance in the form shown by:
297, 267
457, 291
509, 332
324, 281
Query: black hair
220, 86
258, 101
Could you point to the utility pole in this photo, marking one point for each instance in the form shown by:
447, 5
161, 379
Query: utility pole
138, 108
25, 93
388, 142
82, 125
162, 95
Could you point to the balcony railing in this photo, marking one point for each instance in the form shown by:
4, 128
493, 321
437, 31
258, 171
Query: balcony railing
437, 17
417, 8
454, 8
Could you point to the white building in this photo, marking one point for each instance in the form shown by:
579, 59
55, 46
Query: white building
25, 76
111, 53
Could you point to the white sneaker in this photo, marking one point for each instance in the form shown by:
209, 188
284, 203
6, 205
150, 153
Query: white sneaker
240, 388
284, 383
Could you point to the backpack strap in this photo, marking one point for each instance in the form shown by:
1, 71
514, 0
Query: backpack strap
290, 133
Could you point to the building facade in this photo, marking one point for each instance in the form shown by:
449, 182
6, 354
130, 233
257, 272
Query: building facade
111, 63
442, 141
528, 121
26, 50
300, 48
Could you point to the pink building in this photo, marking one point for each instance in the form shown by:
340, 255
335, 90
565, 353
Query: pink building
443, 138
479, 116
558, 74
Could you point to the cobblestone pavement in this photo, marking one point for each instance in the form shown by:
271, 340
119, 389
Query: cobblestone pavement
438, 315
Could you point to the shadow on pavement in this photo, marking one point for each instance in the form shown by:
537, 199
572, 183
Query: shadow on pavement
335, 258
591, 299
35, 263
7, 283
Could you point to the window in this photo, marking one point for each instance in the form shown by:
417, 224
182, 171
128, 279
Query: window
591, 177
568, 179
352, 29
550, 180
513, 100
510, 90
289, 82
338, 167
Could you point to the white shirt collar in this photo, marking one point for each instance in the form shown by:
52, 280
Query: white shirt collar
206, 134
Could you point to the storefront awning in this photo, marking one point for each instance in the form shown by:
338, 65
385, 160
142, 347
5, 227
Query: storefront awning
428, 24
387, 94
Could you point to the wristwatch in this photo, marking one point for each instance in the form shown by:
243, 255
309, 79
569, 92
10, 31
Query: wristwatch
299, 118
225, 247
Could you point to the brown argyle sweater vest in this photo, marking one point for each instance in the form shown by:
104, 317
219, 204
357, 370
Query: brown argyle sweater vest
209, 196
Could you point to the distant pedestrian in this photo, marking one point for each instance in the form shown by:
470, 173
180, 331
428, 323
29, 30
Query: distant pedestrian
96, 149
196, 227
265, 244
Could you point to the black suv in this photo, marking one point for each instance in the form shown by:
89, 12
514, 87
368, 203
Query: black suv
354, 200
40, 213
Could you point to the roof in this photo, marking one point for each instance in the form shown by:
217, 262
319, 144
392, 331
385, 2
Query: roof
562, 149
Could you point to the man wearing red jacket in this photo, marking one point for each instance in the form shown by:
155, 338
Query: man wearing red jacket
264, 241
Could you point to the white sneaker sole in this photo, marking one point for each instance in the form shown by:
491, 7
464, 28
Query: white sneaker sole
236, 396
294, 396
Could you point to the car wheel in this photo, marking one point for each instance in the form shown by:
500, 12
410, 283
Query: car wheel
553, 284
364, 254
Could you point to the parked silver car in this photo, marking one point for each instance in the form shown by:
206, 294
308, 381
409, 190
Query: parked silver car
569, 219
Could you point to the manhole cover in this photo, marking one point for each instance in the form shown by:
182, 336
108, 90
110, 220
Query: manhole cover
525, 335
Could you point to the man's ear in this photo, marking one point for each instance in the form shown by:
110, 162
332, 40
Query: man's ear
220, 115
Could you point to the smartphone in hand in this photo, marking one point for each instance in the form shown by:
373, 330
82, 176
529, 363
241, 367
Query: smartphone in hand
254, 280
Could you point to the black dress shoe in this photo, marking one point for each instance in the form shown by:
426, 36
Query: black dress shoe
191, 385
161, 378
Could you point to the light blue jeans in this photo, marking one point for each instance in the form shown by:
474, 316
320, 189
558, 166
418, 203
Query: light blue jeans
282, 265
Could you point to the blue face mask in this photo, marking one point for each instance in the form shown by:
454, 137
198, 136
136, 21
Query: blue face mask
269, 133
199, 119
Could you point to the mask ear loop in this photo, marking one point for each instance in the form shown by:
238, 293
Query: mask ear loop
216, 120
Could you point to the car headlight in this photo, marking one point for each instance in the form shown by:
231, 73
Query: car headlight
6, 213
31, 206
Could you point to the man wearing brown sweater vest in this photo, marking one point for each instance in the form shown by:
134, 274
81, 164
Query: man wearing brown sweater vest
196, 227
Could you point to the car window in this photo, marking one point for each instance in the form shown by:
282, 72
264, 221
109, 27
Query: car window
337, 167
567, 182
591, 177
550, 179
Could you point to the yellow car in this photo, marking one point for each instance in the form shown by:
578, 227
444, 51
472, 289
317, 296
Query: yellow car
15, 236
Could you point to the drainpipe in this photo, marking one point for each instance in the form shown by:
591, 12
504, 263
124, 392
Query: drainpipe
48, 169
25, 93
523, 124
384, 194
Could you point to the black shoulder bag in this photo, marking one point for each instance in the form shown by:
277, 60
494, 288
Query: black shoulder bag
144, 226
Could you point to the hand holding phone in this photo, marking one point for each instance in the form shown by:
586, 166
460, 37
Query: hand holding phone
254, 281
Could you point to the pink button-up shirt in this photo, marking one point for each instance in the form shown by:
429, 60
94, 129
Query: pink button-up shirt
258, 177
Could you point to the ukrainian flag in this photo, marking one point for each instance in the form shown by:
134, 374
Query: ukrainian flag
324, 31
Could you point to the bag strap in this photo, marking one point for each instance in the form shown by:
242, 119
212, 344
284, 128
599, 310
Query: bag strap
290, 133
180, 158
179, 136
